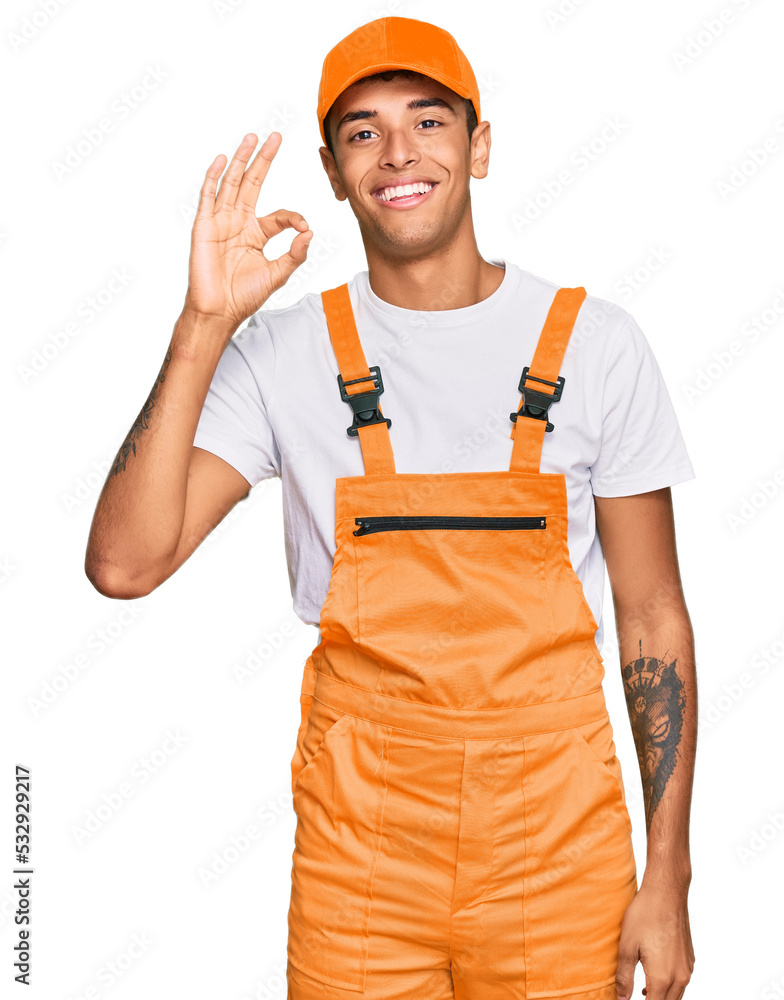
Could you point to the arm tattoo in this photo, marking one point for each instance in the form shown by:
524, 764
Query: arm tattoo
141, 422
655, 700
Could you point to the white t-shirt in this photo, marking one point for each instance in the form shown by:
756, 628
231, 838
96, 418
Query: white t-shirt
450, 382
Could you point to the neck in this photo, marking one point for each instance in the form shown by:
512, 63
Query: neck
449, 278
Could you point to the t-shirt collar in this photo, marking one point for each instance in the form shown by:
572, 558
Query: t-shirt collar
443, 318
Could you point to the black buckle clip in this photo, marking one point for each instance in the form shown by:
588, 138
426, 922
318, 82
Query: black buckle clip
536, 403
364, 404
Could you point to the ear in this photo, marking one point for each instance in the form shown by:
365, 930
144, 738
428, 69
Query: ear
331, 168
480, 150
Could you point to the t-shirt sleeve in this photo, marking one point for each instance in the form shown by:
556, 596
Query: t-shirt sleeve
642, 447
234, 423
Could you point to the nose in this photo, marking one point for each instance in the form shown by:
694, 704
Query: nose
396, 150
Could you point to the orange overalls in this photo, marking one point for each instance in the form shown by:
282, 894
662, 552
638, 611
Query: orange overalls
462, 829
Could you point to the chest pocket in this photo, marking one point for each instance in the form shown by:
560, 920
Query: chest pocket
437, 595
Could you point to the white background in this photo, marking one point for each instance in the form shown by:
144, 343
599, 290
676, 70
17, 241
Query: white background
692, 102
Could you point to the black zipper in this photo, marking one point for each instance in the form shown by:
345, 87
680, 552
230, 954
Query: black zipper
392, 522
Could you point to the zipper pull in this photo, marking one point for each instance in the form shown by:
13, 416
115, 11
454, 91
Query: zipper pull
362, 529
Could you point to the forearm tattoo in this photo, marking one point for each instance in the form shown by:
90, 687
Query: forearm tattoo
655, 699
141, 422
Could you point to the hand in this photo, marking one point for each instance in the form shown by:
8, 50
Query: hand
229, 277
656, 931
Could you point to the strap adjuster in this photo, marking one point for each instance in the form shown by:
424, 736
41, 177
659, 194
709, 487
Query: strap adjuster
535, 402
364, 404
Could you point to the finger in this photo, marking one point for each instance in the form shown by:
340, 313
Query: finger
285, 265
276, 222
207, 194
677, 989
231, 181
253, 178
657, 989
624, 975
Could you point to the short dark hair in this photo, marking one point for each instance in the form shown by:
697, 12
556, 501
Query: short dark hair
390, 74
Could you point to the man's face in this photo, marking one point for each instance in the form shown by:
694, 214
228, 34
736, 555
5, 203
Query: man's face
381, 142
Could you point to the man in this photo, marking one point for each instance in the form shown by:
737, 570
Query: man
462, 827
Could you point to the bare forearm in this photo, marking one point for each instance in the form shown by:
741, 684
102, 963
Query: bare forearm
659, 679
139, 515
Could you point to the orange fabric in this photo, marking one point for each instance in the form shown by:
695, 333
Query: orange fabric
376, 446
395, 43
462, 830
547, 360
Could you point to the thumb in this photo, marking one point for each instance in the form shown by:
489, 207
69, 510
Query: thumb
296, 255
624, 975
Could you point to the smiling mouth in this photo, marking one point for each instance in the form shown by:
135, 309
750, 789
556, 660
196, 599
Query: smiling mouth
405, 194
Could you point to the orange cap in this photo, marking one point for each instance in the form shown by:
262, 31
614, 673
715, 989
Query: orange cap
395, 43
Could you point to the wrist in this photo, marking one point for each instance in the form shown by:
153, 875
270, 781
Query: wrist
196, 335
673, 878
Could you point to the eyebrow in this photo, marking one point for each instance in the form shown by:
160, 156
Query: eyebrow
420, 102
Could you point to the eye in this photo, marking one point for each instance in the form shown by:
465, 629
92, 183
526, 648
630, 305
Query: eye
361, 132
367, 131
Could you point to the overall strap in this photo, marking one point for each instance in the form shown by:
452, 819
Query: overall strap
540, 383
359, 385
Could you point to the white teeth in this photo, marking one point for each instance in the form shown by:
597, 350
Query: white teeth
387, 194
